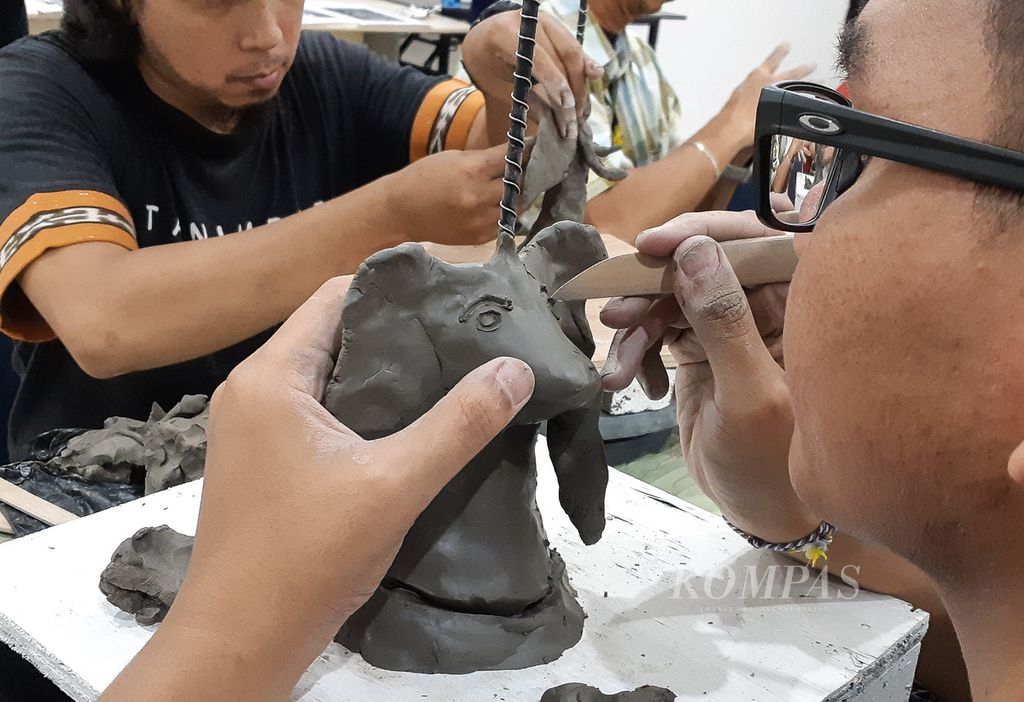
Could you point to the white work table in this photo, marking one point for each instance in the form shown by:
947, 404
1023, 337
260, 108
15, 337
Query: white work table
707, 644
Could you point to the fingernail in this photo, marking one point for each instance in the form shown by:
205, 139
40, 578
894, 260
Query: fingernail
515, 379
641, 236
698, 259
613, 304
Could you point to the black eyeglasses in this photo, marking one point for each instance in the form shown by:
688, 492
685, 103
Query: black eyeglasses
812, 145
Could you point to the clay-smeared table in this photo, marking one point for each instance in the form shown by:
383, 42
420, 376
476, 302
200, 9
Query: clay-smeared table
709, 643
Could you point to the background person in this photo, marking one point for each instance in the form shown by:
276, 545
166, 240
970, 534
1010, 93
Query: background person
633, 106
180, 176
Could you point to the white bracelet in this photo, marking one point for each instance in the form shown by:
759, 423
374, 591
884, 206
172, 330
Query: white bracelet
699, 145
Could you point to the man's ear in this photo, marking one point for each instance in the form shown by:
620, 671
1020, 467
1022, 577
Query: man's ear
387, 373
1016, 465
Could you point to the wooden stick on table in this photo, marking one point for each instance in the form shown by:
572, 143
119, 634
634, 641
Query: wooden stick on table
5, 526
33, 506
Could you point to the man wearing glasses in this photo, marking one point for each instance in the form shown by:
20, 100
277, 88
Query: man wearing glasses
899, 416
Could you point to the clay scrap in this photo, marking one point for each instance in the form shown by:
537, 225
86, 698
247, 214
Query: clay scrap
578, 692
169, 448
86, 471
146, 572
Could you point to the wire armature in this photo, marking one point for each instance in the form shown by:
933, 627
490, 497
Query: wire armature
521, 85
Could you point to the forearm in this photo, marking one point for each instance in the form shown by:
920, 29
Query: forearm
667, 188
244, 654
490, 127
719, 196
120, 311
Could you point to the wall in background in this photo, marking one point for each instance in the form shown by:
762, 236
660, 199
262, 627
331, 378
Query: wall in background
707, 55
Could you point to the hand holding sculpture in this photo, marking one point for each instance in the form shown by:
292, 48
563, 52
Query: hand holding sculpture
290, 495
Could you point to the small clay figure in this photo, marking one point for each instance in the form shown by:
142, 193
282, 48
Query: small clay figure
578, 692
559, 168
475, 585
146, 571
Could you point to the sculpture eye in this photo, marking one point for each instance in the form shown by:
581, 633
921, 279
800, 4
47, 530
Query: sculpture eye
488, 320
487, 311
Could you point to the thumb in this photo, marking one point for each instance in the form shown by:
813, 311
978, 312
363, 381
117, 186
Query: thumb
716, 306
445, 439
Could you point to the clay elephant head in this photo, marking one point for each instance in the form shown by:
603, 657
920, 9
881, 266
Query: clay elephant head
414, 326
475, 585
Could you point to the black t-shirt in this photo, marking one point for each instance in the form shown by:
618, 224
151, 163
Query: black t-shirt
90, 153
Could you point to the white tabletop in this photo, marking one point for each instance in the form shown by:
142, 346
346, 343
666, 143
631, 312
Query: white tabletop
706, 644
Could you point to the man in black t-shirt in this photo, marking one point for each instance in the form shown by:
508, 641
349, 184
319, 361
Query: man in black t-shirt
177, 177
13, 21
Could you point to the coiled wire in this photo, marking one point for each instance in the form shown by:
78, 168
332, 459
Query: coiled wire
581, 23
521, 85
522, 82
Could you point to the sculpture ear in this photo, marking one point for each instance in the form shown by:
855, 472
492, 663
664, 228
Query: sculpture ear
577, 452
387, 373
562, 251
554, 257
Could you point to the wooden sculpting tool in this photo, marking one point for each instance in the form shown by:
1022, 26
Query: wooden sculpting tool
756, 262
33, 506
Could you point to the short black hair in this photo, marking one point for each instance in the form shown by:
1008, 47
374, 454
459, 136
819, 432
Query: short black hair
855, 7
101, 31
852, 49
1004, 41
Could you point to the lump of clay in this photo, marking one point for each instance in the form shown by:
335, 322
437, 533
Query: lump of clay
168, 449
559, 168
475, 585
146, 571
88, 471
578, 692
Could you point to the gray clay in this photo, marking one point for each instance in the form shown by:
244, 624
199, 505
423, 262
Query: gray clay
578, 692
475, 585
170, 447
559, 168
146, 571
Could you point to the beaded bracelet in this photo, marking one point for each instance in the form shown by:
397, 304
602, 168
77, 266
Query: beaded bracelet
814, 546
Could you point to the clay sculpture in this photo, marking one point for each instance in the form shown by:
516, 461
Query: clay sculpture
146, 571
578, 692
559, 169
475, 585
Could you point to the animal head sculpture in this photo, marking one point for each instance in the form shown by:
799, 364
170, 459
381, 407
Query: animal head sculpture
475, 585
414, 326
